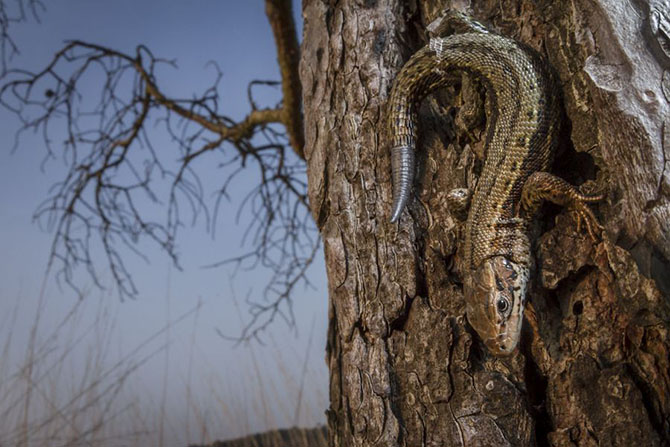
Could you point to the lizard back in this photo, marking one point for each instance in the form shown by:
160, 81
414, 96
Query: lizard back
522, 123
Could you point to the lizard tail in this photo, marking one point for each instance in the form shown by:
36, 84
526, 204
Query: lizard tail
402, 165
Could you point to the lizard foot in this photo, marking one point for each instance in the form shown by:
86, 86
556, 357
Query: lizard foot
583, 215
544, 186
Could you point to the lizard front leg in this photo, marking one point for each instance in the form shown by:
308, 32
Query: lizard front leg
545, 186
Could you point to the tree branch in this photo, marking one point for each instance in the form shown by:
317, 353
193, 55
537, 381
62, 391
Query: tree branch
116, 179
280, 15
114, 169
9, 15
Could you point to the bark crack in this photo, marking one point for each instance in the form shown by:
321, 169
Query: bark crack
536, 397
452, 387
661, 427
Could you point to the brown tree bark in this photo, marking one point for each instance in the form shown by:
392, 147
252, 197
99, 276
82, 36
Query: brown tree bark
593, 367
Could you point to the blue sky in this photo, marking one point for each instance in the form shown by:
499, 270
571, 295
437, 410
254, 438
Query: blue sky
236, 35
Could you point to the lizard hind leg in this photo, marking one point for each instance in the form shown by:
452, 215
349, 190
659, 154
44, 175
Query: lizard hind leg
545, 186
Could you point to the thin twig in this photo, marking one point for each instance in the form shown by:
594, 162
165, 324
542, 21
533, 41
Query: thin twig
116, 175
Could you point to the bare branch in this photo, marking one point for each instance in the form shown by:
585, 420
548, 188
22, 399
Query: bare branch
280, 15
117, 181
19, 12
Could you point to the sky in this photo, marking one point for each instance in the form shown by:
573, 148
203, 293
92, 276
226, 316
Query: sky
258, 382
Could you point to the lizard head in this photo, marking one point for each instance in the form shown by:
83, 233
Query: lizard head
495, 296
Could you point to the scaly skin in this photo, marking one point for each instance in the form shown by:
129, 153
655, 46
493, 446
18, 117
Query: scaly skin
523, 120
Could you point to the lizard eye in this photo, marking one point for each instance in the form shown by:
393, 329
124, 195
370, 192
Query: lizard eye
503, 306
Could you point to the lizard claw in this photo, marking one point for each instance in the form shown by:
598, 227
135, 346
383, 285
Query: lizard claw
544, 186
583, 214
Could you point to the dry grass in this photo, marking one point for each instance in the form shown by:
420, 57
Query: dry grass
294, 437
72, 389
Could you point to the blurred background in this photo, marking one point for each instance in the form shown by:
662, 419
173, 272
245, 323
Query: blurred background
157, 369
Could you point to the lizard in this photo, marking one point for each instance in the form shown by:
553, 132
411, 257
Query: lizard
523, 121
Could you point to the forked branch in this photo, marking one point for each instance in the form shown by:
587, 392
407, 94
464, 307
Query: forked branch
279, 13
118, 180
10, 14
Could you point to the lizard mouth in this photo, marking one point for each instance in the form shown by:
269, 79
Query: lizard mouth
499, 341
501, 346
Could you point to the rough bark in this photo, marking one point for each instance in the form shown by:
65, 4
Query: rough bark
593, 366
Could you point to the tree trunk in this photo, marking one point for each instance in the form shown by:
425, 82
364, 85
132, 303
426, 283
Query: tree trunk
593, 366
